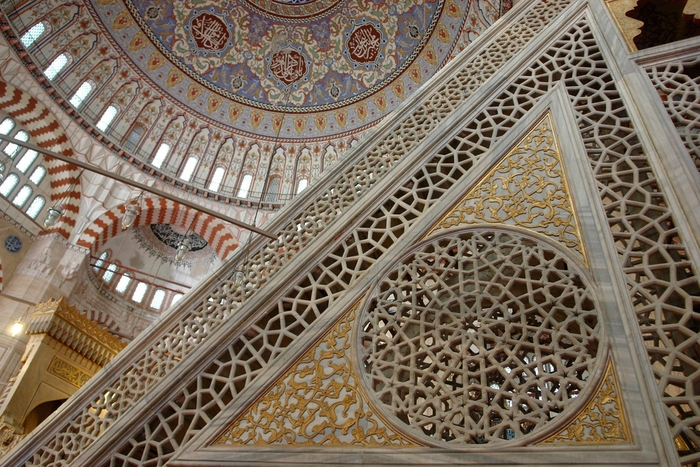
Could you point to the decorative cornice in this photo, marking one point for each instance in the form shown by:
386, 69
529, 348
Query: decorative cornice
67, 325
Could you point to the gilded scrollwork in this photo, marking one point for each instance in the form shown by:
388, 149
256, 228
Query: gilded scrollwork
316, 403
527, 188
67, 372
602, 421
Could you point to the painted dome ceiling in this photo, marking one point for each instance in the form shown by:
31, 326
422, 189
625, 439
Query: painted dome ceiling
333, 66
240, 98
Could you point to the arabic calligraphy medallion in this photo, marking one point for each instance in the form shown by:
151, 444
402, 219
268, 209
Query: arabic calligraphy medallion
364, 44
288, 66
208, 32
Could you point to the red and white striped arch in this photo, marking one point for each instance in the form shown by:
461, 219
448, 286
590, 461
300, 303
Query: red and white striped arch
161, 211
48, 134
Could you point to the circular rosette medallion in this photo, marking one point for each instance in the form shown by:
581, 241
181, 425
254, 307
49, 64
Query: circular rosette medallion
479, 337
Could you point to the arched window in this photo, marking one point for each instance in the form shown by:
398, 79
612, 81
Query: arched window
8, 185
32, 34
83, 91
123, 283
303, 183
139, 292
11, 148
35, 208
157, 300
161, 154
217, 179
107, 118
176, 298
134, 137
6, 126
188, 170
22, 196
109, 273
27, 160
244, 188
100, 261
38, 175
58, 64
273, 189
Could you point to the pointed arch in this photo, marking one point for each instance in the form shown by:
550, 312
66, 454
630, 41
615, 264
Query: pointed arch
48, 134
160, 211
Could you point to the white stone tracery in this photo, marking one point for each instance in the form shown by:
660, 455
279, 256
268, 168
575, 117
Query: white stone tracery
479, 337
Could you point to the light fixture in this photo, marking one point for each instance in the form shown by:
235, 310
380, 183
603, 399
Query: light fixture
131, 211
238, 277
56, 210
185, 244
17, 328
182, 249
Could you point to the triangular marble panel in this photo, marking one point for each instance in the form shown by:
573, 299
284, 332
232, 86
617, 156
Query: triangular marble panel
316, 403
527, 188
603, 419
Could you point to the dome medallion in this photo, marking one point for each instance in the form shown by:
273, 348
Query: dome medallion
337, 66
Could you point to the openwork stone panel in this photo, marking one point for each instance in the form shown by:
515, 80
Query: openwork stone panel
660, 277
678, 84
330, 278
479, 337
197, 324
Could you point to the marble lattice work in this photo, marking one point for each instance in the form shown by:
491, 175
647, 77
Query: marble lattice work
480, 336
528, 189
317, 403
602, 421
331, 239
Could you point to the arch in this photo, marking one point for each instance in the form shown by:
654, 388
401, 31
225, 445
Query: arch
48, 134
160, 211
104, 319
40, 413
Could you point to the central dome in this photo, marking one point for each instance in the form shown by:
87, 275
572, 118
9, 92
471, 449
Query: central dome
337, 65
295, 10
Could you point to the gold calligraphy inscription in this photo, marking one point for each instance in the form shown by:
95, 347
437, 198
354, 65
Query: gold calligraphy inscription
602, 421
527, 188
288, 65
316, 403
67, 372
363, 44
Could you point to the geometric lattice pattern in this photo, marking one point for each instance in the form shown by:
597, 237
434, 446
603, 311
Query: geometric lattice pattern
602, 421
528, 189
678, 84
480, 337
662, 285
246, 356
317, 403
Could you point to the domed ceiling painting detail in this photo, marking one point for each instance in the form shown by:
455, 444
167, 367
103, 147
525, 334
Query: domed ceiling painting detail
218, 81
337, 66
